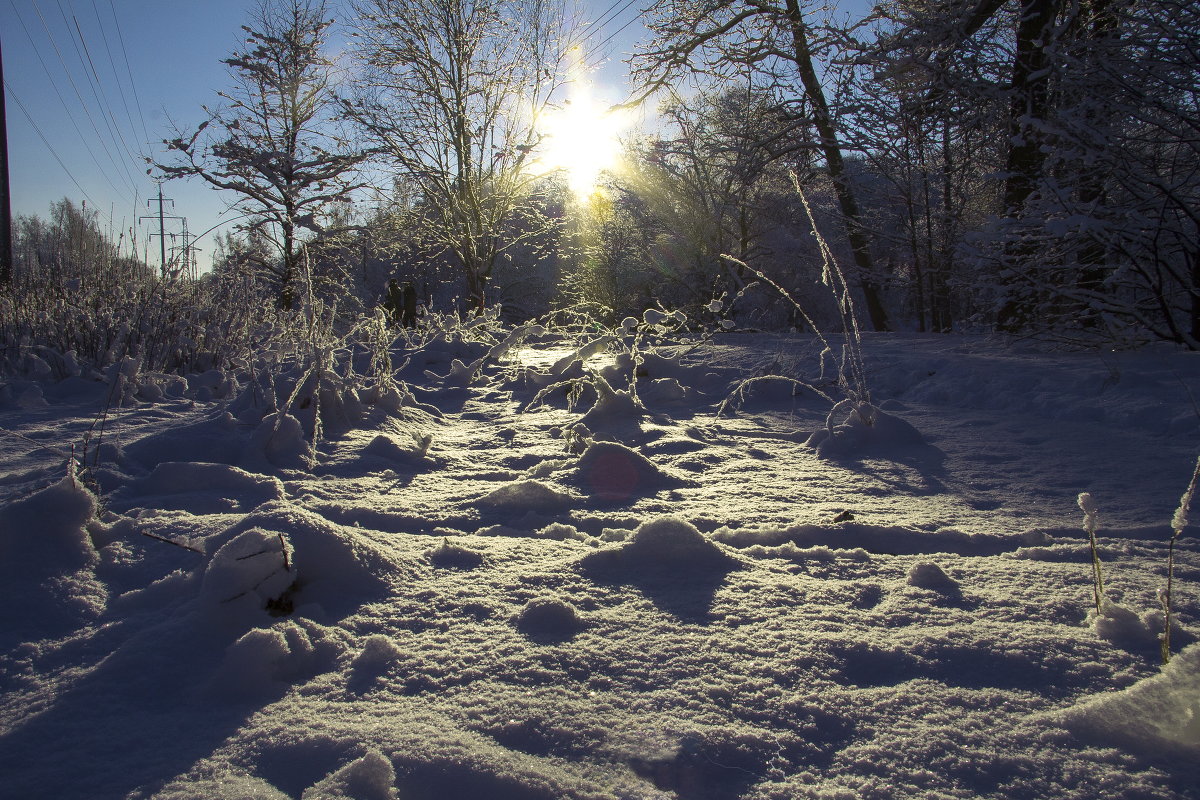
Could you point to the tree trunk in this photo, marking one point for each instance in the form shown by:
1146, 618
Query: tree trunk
1195, 305
1028, 112
1102, 30
1030, 102
831, 150
287, 288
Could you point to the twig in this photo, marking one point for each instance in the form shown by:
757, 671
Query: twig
55, 450
169, 541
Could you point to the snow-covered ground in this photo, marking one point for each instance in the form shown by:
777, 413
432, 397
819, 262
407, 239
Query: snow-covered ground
462, 593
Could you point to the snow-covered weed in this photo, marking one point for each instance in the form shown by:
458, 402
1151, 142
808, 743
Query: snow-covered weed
1087, 504
1178, 522
1113, 619
851, 375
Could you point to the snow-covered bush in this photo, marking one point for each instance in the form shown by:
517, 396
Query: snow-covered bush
81, 326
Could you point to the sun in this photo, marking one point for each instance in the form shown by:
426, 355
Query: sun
583, 138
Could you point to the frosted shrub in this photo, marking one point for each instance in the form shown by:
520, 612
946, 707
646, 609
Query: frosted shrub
171, 326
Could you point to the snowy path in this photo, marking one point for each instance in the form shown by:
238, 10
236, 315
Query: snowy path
503, 617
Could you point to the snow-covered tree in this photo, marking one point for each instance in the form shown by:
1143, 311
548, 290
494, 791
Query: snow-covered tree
1094, 105
272, 142
450, 94
775, 40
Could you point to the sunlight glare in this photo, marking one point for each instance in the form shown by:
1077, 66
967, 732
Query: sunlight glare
583, 137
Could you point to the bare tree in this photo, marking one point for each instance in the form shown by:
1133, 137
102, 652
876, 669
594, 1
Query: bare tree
1097, 189
450, 94
713, 177
272, 141
772, 37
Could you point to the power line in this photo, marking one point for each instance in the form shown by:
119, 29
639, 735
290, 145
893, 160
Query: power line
97, 92
129, 70
89, 68
600, 21
37, 51
112, 63
45, 141
615, 33
79, 95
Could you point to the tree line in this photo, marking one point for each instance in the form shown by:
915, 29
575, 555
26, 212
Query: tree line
1024, 166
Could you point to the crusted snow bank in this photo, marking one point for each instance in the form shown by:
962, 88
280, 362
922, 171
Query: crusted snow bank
46, 533
1156, 714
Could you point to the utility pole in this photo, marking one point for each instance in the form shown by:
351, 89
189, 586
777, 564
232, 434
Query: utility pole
187, 253
6, 249
162, 233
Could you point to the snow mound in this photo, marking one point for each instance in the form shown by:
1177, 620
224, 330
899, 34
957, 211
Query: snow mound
279, 442
387, 448
927, 575
213, 384
1124, 628
253, 570
527, 495
614, 410
461, 374
263, 661
281, 556
450, 555
371, 777
582, 354
563, 533
666, 543
664, 391
880, 539
613, 472
865, 428
228, 786
671, 539
1157, 714
378, 654
47, 560
178, 477
549, 618
46, 533
201, 487
220, 439
31, 398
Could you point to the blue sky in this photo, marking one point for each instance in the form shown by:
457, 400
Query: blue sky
102, 80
